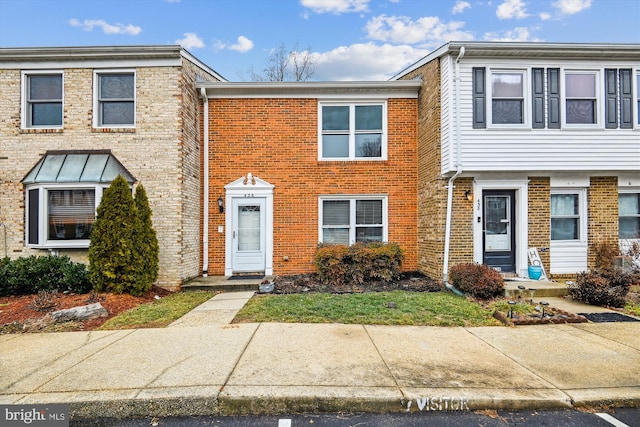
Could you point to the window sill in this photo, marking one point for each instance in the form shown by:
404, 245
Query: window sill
113, 130
28, 131
351, 162
84, 244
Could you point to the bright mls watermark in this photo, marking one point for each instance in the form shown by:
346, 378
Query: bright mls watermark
53, 415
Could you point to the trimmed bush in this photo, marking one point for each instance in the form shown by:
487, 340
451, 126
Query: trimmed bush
477, 280
608, 288
115, 262
146, 239
33, 274
340, 265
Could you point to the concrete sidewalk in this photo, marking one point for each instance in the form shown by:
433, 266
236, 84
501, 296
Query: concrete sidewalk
192, 369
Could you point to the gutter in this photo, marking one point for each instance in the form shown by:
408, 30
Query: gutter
205, 187
450, 186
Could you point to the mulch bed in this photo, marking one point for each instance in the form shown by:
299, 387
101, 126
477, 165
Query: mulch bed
28, 313
303, 283
608, 317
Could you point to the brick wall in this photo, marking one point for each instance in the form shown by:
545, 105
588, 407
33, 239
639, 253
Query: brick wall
157, 152
539, 213
277, 141
603, 214
432, 191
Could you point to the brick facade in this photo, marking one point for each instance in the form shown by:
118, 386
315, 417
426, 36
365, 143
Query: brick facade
603, 214
538, 215
162, 152
276, 139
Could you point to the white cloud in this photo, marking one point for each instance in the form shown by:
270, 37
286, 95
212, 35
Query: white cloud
510, 9
519, 34
336, 7
190, 41
460, 6
570, 7
242, 45
364, 61
545, 16
429, 29
89, 24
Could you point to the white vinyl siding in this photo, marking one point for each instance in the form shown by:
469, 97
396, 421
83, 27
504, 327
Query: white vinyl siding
523, 148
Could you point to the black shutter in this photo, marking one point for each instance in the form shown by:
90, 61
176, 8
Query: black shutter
537, 108
34, 206
553, 98
611, 100
479, 98
626, 99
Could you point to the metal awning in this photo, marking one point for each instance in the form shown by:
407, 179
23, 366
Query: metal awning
97, 166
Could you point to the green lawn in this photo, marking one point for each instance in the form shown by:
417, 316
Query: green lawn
160, 313
412, 308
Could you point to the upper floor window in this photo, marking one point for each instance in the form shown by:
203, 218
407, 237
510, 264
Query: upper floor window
629, 215
638, 98
346, 220
507, 97
581, 97
352, 131
115, 99
42, 100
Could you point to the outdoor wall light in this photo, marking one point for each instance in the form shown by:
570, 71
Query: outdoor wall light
221, 204
469, 195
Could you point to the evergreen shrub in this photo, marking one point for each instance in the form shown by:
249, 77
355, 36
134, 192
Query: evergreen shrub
477, 280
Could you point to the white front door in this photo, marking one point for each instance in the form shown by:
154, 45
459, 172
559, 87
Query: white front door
248, 235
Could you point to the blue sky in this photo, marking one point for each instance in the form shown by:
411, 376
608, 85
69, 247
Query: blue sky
347, 39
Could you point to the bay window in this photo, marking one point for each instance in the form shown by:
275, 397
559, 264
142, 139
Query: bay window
352, 131
345, 220
63, 191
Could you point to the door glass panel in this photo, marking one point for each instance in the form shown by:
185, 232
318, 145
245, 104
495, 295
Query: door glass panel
497, 228
249, 228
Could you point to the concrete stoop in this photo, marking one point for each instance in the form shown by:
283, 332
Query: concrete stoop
534, 288
224, 284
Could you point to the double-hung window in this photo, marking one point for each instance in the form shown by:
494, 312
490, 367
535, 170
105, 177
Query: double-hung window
567, 215
507, 97
638, 99
581, 97
346, 220
115, 104
353, 131
629, 215
43, 100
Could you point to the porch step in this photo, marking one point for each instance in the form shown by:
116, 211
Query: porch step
543, 288
222, 283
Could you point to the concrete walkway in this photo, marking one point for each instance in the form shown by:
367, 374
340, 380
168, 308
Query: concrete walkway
201, 365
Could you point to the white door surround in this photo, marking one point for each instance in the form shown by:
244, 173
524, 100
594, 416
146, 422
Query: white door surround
521, 213
243, 192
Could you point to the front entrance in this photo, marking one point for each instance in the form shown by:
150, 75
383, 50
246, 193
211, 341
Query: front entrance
249, 226
499, 237
248, 234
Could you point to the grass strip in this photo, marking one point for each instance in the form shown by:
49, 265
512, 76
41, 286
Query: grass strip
160, 313
371, 308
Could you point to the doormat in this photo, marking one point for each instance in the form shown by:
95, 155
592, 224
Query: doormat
247, 277
608, 317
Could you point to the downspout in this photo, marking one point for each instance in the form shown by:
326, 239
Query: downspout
205, 187
447, 232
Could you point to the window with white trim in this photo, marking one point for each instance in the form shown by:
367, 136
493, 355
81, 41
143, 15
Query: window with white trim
345, 220
638, 99
581, 91
63, 191
115, 104
629, 215
507, 97
567, 216
43, 99
353, 131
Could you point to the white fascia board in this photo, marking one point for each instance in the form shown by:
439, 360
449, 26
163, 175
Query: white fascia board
332, 90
